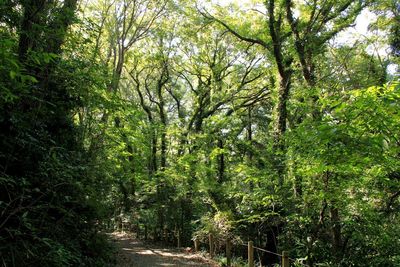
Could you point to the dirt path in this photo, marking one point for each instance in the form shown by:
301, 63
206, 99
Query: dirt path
135, 253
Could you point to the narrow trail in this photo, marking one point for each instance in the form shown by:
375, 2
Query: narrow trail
136, 253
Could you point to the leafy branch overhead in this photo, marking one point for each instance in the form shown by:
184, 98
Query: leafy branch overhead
193, 122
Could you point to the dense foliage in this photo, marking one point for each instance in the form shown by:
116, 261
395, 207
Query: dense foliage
269, 121
50, 207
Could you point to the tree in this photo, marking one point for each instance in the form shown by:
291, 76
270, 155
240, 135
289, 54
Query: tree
45, 203
251, 122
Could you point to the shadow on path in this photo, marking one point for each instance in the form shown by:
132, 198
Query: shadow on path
135, 253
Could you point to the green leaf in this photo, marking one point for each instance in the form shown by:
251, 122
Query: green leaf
13, 74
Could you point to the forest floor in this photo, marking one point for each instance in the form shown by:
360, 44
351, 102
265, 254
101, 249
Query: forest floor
136, 253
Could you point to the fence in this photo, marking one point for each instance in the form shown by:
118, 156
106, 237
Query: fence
250, 252
285, 259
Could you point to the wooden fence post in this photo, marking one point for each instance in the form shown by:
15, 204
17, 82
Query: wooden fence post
211, 243
179, 238
165, 234
228, 253
155, 234
196, 245
250, 254
285, 259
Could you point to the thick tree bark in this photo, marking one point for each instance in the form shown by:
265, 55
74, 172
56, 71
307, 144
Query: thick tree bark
283, 63
221, 162
249, 131
117, 72
44, 33
163, 157
304, 56
60, 24
29, 34
336, 231
163, 117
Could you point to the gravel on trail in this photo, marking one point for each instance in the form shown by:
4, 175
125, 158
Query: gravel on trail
136, 253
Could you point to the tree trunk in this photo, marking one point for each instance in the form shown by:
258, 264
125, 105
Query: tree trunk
336, 231
221, 162
283, 63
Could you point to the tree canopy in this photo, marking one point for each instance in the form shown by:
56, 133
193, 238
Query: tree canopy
270, 121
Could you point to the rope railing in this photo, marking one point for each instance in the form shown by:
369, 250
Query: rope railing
285, 259
276, 254
270, 252
264, 250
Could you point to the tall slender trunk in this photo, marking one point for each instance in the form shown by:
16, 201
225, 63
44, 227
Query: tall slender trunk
336, 231
29, 34
116, 77
279, 143
153, 156
283, 62
163, 156
221, 162
249, 131
163, 149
